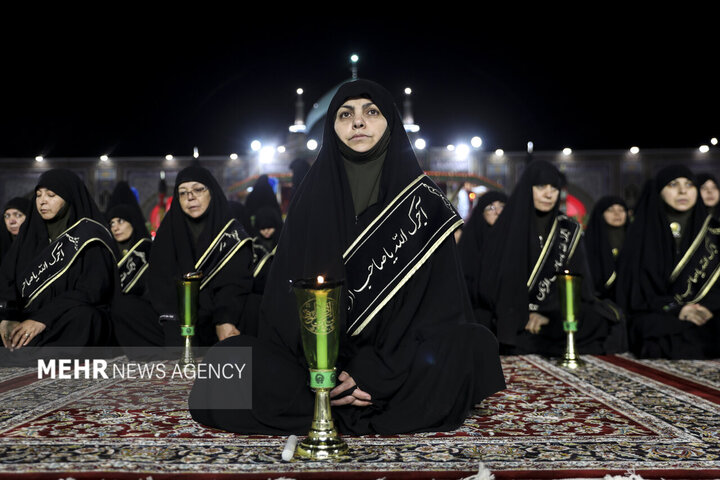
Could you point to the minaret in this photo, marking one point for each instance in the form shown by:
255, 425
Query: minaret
408, 121
299, 125
353, 65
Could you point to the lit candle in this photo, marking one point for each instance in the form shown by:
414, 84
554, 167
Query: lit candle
569, 298
322, 327
187, 317
570, 320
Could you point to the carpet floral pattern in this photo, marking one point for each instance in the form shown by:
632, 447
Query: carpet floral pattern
602, 417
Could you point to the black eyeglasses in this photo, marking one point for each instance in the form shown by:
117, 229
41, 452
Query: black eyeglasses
197, 192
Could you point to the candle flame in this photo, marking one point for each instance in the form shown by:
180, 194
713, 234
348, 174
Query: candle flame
320, 279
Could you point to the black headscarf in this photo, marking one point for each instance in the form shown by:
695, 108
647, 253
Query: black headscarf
703, 177
175, 251
597, 240
124, 204
34, 236
18, 203
512, 246
130, 213
650, 251
472, 241
321, 221
262, 195
122, 195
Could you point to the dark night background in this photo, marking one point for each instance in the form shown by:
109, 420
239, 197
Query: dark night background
132, 88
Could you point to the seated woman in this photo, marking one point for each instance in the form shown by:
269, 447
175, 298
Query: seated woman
668, 270
531, 243
604, 238
197, 233
472, 244
268, 224
60, 274
411, 356
133, 240
708, 186
14, 214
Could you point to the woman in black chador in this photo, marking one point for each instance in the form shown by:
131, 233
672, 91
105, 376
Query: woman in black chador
127, 225
472, 245
604, 238
411, 357
708, 187
262, 196
60, 274
668, 270
14, 215
198, 233
531, 243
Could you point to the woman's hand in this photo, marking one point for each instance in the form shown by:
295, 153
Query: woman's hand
225, 330
695, 313
6, 328
21, 334
357, 398
536, 322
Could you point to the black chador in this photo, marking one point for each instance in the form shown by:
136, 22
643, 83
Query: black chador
472, 245
127, 224
409, 339
604, 243
668, 270
214, 243
22, 205
134, 249
61, 270
268, 225
531, 242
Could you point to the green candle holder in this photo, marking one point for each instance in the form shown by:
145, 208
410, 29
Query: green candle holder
188, 289
318, 302
570, 297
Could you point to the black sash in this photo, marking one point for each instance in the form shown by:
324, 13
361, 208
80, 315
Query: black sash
230, 239
394, 246
698, 270
557, 252
134, 263
56, 258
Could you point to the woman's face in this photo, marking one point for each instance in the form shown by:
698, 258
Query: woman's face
13, 219
267, 232
545, 197
194, 198
492, 211
615, 215
359, 124
680, 194
709, 193
48, 203
121, 229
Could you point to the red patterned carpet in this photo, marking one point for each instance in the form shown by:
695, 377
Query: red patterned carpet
658, 419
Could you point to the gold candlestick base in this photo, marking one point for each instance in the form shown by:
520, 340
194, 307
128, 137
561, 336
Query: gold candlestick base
187, 357
323, 441
571, 360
